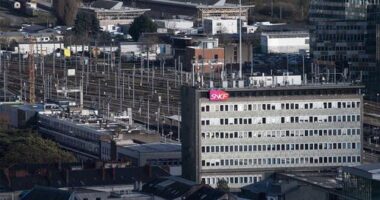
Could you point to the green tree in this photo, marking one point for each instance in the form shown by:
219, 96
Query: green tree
66, 10
86, 24
28, 147
222, 185
142, 24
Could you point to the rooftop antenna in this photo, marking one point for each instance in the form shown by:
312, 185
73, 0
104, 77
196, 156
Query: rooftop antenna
240, 49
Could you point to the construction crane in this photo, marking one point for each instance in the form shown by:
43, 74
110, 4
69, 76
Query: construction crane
32, 74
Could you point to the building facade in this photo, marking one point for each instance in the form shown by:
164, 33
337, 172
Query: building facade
362, 182
239, 134
343, 39
285, 42
220, 26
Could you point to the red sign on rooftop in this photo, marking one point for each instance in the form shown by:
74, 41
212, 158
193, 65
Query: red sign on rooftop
218, 95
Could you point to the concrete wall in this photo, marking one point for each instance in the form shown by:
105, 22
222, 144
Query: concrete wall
189, 131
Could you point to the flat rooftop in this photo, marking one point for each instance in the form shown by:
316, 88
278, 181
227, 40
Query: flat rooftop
369, 171
158, 147
313, 86
325, 180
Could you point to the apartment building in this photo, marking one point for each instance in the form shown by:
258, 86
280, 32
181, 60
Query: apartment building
241, 134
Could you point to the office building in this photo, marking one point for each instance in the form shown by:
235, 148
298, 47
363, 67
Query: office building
239, 133
343, 40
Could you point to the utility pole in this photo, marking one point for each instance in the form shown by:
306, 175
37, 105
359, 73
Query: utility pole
148, 116
133, 87
5, 85
19, 71
271, 12
240, 45
32, 76
168, 96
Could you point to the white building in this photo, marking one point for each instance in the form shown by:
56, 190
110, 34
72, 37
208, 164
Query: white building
219, 26
174, 24
43, 48
242, 133
136, 50
285, 42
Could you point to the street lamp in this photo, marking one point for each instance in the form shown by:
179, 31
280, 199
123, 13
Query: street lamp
377, 99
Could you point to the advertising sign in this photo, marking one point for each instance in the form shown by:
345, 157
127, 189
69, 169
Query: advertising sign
218, 95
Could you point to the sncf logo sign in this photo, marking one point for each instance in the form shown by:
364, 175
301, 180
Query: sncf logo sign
218, 95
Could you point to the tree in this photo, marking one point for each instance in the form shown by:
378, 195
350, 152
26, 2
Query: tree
141, 24
66, 10
222, 185
86, 24
28, 147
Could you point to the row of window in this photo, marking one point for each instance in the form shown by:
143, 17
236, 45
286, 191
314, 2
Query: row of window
67, 140
278, 133
280, 161
279, 147
231, 179
73, 130
281, 120
279, 106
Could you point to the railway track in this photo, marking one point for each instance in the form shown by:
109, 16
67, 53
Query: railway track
125, 85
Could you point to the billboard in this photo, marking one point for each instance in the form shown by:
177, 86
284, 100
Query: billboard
218, 95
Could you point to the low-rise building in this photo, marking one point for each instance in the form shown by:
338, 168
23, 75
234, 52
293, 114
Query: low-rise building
155, 154
204, 56
220, 26
43, 48
174, 24
287, 42
362, 182
179, 188
82, 180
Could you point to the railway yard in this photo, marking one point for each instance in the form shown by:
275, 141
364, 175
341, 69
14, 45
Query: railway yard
112, 87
